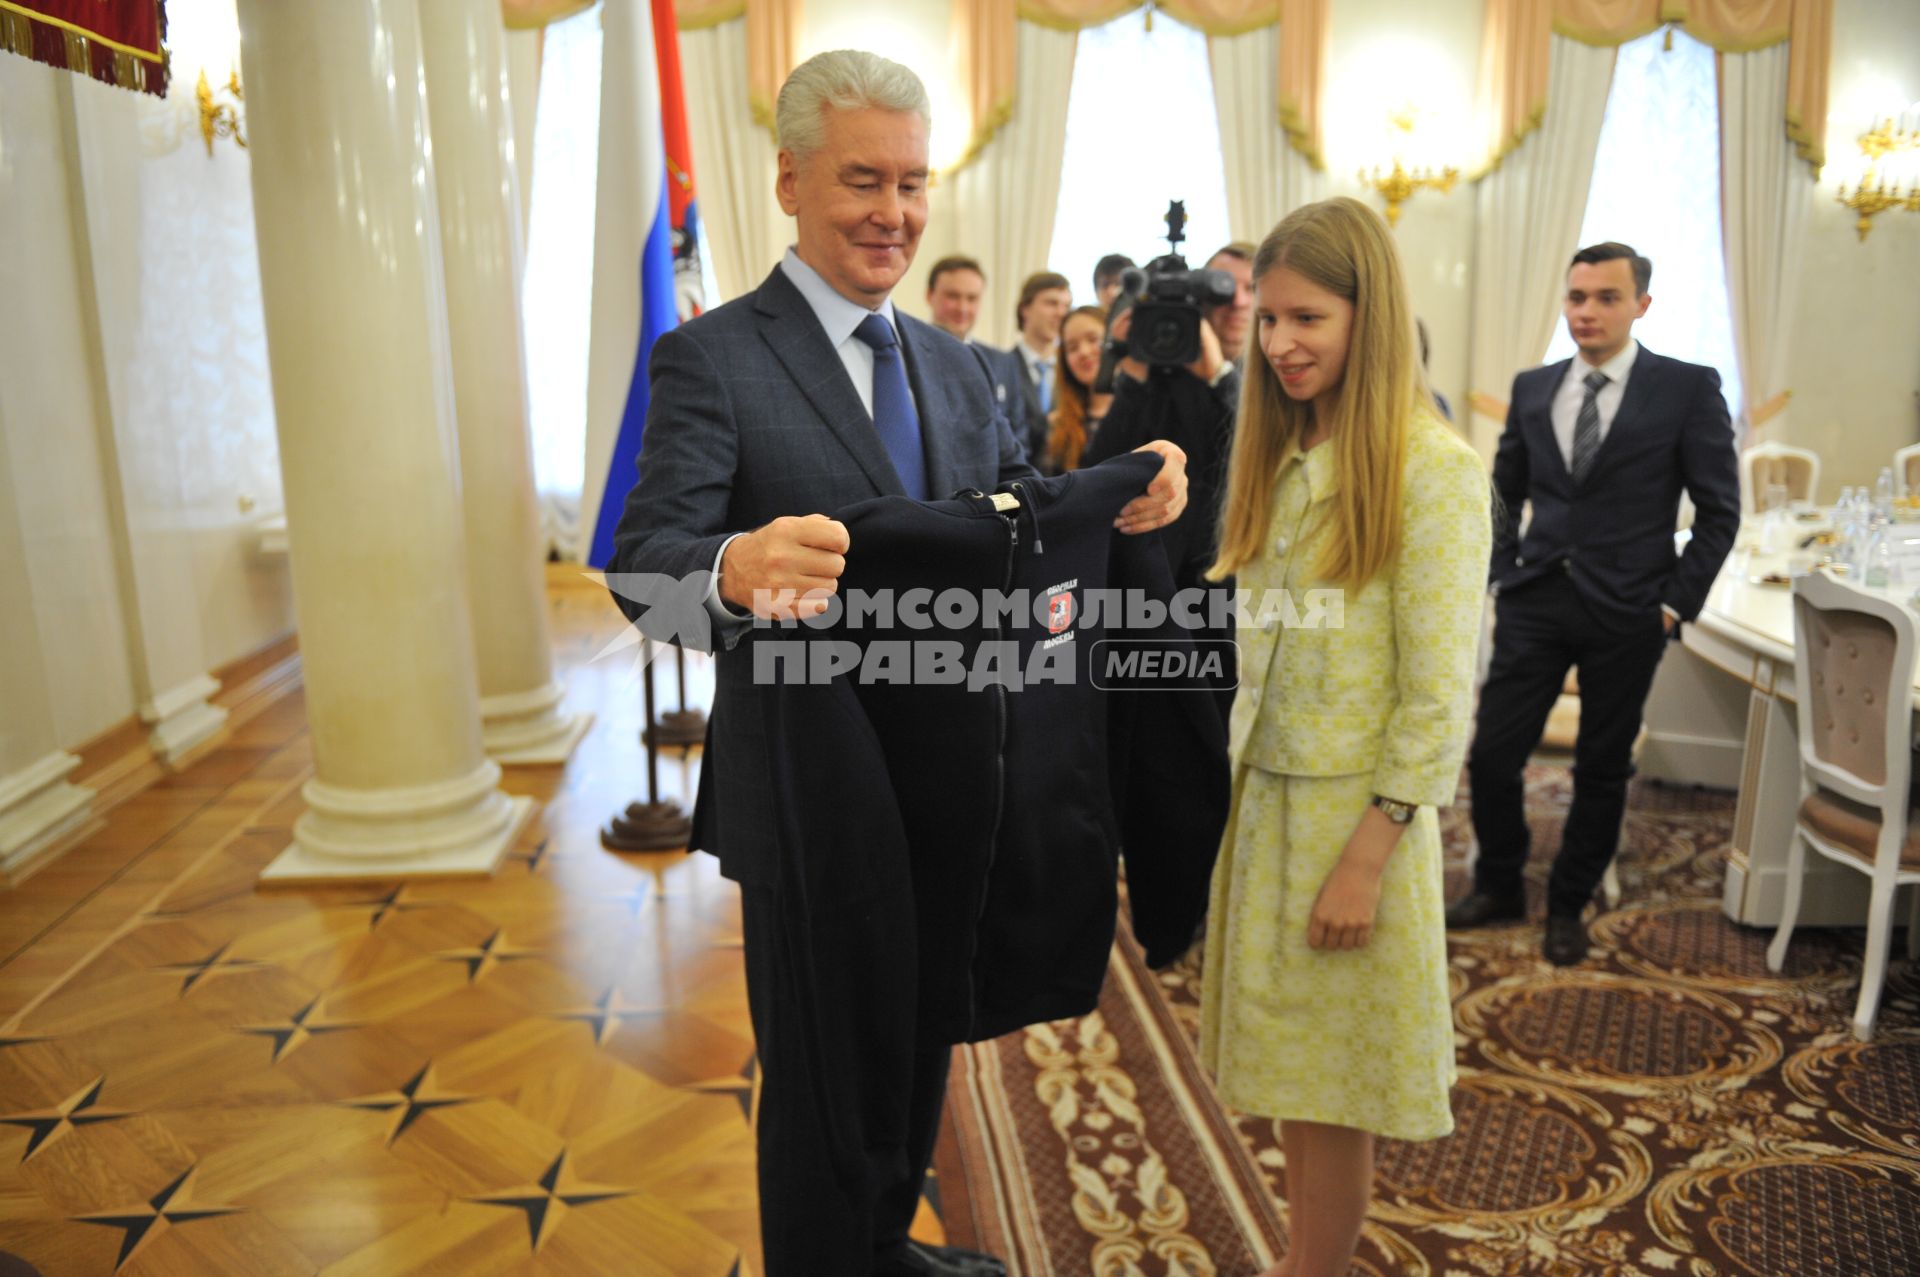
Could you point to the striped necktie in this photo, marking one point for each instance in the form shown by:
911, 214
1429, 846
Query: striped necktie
1586, 427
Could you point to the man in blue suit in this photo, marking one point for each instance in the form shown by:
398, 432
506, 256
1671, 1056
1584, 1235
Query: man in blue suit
1602, 446
810, 394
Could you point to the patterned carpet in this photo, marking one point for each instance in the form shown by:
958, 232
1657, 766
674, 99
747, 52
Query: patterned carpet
1668, 1107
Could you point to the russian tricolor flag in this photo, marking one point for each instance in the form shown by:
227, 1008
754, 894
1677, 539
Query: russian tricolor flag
646, 230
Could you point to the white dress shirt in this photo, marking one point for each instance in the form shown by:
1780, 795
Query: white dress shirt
1032, 359
839, 317
1565, 410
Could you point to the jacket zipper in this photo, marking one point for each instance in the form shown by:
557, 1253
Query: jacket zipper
999, 691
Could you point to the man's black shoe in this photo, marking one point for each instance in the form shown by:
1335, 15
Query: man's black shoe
916, 1259
1478, 908
1566, 942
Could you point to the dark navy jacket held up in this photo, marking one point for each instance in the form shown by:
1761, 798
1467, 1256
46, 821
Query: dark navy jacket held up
999, 813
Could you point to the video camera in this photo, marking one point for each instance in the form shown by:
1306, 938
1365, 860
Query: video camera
1168, 302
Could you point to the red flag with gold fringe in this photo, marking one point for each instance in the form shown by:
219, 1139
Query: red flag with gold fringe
118, 41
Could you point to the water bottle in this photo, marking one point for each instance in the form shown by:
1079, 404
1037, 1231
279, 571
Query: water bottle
1883, 570
1845, 527
1883, 492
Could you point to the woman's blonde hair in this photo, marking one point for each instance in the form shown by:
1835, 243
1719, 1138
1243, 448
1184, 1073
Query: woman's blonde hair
1067, 439
1344, 247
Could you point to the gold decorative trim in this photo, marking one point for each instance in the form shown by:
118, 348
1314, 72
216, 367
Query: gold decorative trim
1299, 135
1807, 143
1040, 17
708, 18
983, 133
1535, 118
1225, 30
1595, 37
516, 19
71, 29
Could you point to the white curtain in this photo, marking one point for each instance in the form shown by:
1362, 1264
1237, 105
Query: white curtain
1003, 203
1267, 178
556, 300
1766, 189
733, 161
1530, 210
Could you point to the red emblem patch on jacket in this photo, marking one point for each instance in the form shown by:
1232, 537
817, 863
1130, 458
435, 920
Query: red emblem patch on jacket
1059, 613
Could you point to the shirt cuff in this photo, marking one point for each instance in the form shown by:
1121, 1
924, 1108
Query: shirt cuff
717, 607
1221, 373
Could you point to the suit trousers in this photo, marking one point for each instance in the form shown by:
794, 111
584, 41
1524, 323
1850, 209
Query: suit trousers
1540, 631
811, 1221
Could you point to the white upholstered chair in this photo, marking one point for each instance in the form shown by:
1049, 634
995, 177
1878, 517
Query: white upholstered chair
1906, 467
1769, 463
1853, 669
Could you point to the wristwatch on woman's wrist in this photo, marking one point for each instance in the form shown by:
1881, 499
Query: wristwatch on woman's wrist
1398, 812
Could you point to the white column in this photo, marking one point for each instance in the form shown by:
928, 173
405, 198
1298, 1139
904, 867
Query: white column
478, 198
523, 79
39, 808
350, 275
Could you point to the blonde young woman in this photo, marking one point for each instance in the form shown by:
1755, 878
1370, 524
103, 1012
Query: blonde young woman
1325, 1000
1077, 408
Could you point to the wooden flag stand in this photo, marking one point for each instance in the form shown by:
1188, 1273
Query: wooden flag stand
657, 824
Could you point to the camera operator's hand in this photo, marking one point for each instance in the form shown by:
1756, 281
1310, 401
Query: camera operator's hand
786, 570
1211, 358
1164, 498
1122, 325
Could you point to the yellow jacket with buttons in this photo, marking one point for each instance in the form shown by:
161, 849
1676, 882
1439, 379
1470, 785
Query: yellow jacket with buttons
1379, 680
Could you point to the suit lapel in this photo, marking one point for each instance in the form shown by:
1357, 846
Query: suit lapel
935, 409
790, 328
1541, 419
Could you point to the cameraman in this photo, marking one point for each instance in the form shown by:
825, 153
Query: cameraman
1107, 274
1198, 401
1194, 407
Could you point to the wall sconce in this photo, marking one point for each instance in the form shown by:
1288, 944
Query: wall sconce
1869, 198
220, 119
1397, 185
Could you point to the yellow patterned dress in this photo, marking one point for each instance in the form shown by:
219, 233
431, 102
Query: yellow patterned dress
1343, 697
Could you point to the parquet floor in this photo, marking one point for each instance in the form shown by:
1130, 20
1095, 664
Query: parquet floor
546, 1072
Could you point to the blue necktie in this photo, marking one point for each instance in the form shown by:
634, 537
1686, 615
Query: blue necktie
893, 414
1046, 384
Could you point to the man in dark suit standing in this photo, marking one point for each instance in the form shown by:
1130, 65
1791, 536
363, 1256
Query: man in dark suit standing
1029, 368
1602, 445
807, 395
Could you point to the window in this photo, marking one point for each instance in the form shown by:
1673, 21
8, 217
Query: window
1656, 186
1141, 130
556, 299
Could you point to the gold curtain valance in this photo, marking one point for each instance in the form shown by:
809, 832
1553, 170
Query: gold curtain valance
1515, 52
531, 15
1214, 17
985, 34
698, 15
773, 33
